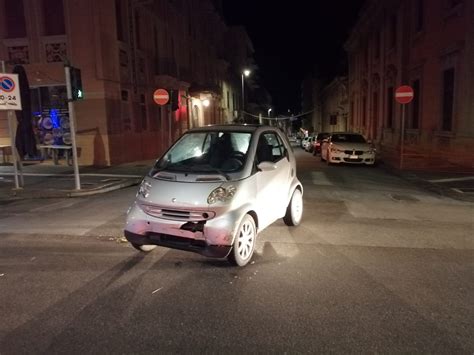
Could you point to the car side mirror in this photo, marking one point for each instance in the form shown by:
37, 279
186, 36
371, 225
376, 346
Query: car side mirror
266, 166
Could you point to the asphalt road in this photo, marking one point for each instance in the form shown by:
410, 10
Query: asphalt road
377, 265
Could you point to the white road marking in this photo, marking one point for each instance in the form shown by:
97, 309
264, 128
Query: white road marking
54, 206
319, 178
453, 179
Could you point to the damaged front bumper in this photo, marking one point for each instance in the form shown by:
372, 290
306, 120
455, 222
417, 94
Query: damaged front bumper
211, 238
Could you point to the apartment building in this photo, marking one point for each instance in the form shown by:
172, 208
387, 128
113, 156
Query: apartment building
428, 45
126, 49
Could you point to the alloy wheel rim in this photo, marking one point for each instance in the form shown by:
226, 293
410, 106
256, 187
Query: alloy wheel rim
297, 206
246, 240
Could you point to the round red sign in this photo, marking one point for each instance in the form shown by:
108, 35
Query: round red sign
161, 96
404, 94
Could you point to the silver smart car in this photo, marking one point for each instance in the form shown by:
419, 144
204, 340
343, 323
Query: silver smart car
214, 190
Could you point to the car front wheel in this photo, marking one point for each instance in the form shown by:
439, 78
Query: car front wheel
244, 242
294, 211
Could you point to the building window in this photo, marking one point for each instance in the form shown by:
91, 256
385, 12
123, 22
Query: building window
419, 15
119, 20
377, 45
53, 18
228, 99
415, 113
364, 111
155, 44
448, 99
333, 120
14, 16
137, 30
393, 31
143, 118
454, 3
390, 107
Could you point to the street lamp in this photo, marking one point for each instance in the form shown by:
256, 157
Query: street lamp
246, 72
269, 110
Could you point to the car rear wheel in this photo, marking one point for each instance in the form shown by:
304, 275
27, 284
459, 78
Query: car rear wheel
244, 242
294, 211
146, 248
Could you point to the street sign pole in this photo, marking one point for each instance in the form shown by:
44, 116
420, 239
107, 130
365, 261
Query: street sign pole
17, 168
72, 121
403, 95
402, 138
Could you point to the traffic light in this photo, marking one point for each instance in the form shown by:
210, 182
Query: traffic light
76, 84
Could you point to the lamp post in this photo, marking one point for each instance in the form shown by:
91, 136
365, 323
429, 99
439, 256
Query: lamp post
246, 72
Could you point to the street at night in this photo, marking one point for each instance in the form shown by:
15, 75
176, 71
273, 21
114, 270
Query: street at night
377, 265
222, 176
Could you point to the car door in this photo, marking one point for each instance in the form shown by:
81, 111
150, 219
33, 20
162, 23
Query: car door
273, 184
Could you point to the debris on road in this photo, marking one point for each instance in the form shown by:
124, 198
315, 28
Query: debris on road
156, 290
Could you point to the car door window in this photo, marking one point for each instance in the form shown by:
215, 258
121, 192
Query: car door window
275, 145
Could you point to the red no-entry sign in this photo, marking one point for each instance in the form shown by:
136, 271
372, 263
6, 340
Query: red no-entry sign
404, 94
161, 96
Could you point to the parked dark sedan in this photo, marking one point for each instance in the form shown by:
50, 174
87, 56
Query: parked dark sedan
318, 141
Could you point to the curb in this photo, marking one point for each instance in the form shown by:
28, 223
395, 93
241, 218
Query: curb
51, 193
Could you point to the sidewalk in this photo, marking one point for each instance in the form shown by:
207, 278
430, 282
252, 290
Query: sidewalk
458, 186
46, 180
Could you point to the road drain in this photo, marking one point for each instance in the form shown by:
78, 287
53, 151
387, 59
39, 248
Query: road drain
403, 198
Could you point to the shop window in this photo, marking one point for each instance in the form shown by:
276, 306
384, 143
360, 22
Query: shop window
448, 99
53, 18
14, 16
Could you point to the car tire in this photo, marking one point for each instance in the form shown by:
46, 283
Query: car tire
145, 248
294, 211
244, 242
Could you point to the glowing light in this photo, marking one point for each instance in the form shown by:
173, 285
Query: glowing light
206, 103
247, 72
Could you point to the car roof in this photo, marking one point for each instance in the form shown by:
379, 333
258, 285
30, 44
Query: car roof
233, 127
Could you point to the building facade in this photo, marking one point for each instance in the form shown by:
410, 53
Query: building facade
126, 49
428, 45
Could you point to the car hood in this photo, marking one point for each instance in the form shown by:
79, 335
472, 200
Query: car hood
351, 146
177, 194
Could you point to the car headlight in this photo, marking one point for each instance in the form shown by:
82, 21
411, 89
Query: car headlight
222, 194
144, 189
335, 150
371, 151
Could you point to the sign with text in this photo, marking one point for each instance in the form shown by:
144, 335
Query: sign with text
9, 92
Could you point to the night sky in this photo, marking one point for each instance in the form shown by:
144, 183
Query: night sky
293, 39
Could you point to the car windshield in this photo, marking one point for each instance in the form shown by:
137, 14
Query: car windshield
206, 152
348, 138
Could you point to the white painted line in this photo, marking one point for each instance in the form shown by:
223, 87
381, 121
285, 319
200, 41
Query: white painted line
404, 94
453, 179
319, 178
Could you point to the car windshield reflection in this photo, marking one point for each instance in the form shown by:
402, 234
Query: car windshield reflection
209, 152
